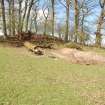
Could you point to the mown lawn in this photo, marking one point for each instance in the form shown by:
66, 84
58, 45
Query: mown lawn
29, 80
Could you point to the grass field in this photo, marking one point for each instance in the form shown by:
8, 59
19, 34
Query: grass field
29, 80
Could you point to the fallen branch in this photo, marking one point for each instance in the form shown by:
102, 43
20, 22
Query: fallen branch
33, 48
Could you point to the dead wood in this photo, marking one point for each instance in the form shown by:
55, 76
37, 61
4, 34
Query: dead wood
33, 48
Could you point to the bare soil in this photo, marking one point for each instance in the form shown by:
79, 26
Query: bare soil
81, 57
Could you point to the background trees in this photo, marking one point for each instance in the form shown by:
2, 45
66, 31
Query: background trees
3, 17
100, 23
66, 4
45, 10
77, 17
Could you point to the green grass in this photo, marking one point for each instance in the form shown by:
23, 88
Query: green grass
95, 49
29, 80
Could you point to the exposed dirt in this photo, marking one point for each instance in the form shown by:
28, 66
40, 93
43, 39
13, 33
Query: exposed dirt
81, 57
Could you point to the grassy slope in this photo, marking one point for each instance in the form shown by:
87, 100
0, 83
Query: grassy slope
98, 50
27, 80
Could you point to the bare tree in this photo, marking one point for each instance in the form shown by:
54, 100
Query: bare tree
24, 14
28, 13
20, 16
45, 10
59, 30
66, 4
84, 11
13, 17
35, 15
76, 19
3, 17
10, 17
100, 22
86, 8
35, 20
53, 15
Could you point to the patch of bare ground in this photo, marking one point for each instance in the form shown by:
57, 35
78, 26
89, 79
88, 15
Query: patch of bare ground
81, 57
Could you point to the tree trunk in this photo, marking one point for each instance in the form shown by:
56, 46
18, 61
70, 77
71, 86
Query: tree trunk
19, 23
82, 37
35, 21
13, 18
28, 14
67, 23
36, 27
45, 27
76, 19
53, 16
100, 23
10, 26
23, 18
98, 32
31, 21
3, 17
